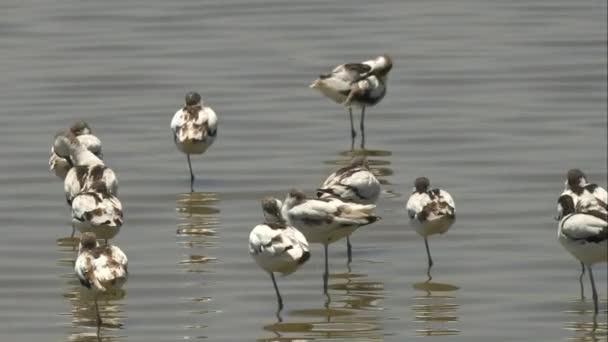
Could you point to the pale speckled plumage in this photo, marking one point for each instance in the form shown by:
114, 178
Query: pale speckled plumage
80, 179
328, 220
352, 183
97, 211
60, 165
194, 134
431, 212
100, 268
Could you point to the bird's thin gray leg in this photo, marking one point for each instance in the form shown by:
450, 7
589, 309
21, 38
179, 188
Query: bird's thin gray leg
326, 274
191, 174
276, 289
594, 290
349, 249
362, 127
428, 252
580, 280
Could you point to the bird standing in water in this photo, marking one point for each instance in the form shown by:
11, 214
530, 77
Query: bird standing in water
100, 268
430, 212
352, 183
194, 128
359, 84
276, 246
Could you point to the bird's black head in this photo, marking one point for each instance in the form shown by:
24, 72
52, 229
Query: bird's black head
193, 98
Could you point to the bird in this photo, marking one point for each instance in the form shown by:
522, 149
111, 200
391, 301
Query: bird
276, 246
325, 220
593, 196
361, 84
100, 268
431, 211
352, 183
81, 129
583, 235
87, 167
98, 211
194, 128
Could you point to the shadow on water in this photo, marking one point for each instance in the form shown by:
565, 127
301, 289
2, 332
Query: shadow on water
198, 219
379, 164
351, 311
584, 325
436, 309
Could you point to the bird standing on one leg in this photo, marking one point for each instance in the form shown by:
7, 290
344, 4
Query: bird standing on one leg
430, 211
361, 84
100, 268
276, 246
325, 220
194, 128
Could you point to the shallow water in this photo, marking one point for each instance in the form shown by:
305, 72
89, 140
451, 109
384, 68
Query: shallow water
491, 100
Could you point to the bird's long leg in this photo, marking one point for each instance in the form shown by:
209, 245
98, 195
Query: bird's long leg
428, 252
362, 126
353, 133
326, 274
349, 249
580, 280
99, 322
276, 289
191, 174
593, 289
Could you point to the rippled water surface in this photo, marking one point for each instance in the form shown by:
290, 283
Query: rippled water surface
493, 100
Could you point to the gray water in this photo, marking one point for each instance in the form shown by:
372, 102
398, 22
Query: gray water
492, 100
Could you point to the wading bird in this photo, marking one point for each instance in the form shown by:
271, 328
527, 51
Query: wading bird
194, 128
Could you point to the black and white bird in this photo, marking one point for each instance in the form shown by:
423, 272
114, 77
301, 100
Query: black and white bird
97, 210
356, 84
352, 183
100, 268
325, 221
87, 167
590, 196
81, 129
194, 128
276, 246
431, 211
583, 234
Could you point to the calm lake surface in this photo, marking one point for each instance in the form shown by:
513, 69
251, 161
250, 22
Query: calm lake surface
492, 100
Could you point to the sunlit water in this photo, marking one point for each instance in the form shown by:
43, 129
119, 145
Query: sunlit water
492, 100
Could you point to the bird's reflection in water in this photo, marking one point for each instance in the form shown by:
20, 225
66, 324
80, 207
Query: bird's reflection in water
198, 220
379, 164
350, 312
584, 325
84, 323
436, 309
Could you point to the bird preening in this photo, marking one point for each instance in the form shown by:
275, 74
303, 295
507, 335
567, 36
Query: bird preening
356, 84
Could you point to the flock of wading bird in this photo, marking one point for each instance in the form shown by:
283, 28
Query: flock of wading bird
344, 202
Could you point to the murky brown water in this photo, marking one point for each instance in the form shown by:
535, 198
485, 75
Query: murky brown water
492, 100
